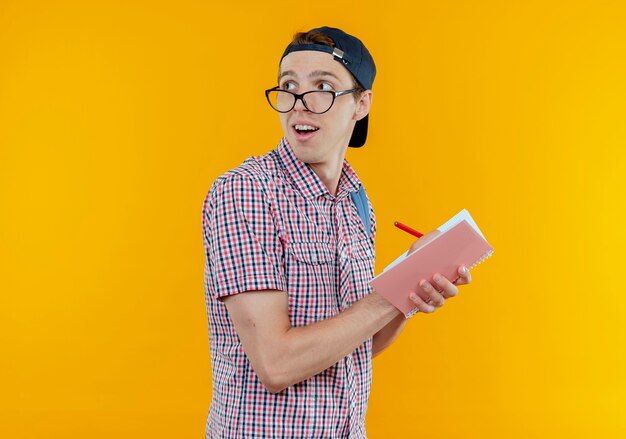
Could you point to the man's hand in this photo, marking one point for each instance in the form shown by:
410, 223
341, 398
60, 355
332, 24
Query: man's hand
434, 293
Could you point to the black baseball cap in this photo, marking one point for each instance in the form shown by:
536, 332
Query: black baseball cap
354, 56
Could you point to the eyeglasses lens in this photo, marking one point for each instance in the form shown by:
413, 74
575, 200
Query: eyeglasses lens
316, 101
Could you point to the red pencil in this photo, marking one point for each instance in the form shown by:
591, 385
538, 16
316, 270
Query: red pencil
407, 229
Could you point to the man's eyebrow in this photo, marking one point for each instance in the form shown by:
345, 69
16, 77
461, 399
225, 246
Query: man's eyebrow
313, 74
286, 73
317, 73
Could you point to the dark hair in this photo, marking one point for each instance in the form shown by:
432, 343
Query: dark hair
313, 37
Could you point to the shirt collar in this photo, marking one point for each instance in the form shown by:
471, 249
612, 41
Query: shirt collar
307, 181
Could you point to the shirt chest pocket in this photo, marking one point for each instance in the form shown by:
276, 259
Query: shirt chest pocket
363, 250
311, 271
312, 253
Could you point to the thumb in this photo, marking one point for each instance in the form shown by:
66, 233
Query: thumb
425, 239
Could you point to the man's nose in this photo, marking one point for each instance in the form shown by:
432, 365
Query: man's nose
299, 106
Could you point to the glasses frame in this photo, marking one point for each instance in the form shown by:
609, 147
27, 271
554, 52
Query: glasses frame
301, 96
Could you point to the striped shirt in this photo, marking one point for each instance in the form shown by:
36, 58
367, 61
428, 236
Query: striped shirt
272, 224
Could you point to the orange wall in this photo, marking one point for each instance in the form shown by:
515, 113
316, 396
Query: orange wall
115, 117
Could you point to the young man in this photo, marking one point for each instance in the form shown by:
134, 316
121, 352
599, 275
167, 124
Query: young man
293, 322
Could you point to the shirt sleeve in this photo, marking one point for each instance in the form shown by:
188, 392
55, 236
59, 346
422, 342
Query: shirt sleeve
243, 249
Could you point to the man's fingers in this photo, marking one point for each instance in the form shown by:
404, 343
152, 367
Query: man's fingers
435, 296
464, 276
421, 305
439, 290
448, 289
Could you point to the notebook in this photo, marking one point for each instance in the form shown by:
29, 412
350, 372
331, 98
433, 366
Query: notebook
460, 243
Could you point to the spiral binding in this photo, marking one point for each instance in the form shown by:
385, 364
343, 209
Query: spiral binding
411, 313
482, 258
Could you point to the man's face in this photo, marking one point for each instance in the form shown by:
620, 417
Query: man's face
308, 70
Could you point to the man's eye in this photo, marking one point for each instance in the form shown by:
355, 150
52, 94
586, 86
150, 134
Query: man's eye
326, 86
287, 86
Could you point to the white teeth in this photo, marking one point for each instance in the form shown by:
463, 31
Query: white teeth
305, 128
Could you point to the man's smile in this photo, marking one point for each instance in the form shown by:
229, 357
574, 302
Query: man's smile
304, 130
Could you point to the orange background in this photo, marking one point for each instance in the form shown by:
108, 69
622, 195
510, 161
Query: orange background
115, 117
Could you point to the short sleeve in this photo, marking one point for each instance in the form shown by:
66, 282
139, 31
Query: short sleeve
243, 249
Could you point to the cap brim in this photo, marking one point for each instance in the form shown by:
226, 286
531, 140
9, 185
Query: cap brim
359, 135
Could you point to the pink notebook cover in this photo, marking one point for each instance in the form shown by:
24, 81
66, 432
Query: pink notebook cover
460, 245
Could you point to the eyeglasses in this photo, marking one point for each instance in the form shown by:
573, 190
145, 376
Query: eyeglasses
316, 101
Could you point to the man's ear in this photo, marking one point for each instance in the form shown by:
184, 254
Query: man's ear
363, 105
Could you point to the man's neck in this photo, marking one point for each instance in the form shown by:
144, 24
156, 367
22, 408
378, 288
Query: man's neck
329, 174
